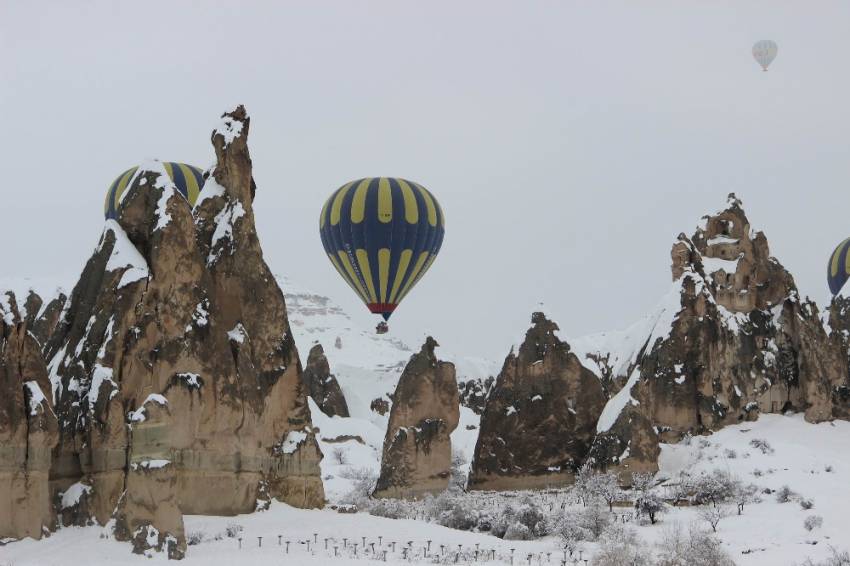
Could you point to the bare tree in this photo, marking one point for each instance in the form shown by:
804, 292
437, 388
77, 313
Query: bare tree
713, 514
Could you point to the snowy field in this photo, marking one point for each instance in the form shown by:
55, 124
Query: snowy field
812, 460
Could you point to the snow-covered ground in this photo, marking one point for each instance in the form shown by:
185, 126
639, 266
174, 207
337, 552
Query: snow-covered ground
812, 460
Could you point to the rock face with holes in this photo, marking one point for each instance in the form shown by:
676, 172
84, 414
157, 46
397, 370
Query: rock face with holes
28, 433
178, 382
736, 340
417, 448
540, 416
321, 384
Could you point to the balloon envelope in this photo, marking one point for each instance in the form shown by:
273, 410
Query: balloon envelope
382, 234
838, 270
188, 180
764, 52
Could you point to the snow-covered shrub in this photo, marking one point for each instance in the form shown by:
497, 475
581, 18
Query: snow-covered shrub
642, 481
339, 456
530, 515
715, 487
807, 504
620, 545
595, 519
502, 521
838, 558
517, 531
763, 445
828, 468
459, 517
363, 480
484, 523
729, 453
234, 530
605, 487
713, 514
571, 531
197, 537
388, 508
745, 494
649, 505
697, 547
458, 473
784, 494
813, 522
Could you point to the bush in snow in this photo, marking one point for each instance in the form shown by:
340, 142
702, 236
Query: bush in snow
502, 521
697, 547
838, 558
605, 487
530, 515
729, 453
458, 473
363, 480
594, 519
620, 545
762, 444
571, 532
714, 488
648, 504
806, 504
745, 494
813, 522
197, 537
784, 494
389, 509
517, 531
234, 530
339, 456
713, 514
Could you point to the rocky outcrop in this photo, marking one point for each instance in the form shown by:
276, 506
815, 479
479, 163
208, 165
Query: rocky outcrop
177, 379
417, 448
540, 416
733, 340
321, 384
474, 392
41, 314
28, 433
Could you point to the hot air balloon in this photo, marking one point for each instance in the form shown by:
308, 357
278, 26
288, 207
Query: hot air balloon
838, 270
188, 180
764, 52
382, 234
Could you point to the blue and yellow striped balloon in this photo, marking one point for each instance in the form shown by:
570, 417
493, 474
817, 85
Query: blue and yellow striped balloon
187, 178
382, 234
838, 270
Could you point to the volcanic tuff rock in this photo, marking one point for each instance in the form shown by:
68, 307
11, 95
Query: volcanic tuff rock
417, 448
540, 415
41, 314
28, 433
321, 385
732, 339
176, 376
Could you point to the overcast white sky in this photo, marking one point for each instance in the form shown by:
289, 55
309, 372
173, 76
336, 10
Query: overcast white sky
568, 142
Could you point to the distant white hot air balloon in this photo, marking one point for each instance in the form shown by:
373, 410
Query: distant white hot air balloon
764, 52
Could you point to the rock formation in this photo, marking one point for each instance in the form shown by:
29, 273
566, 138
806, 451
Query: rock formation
732, 339
28, 433
41, 314
540, 416
176, 377
417, 448
321, 384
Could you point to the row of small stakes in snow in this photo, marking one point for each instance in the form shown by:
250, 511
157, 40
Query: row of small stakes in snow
350, 549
